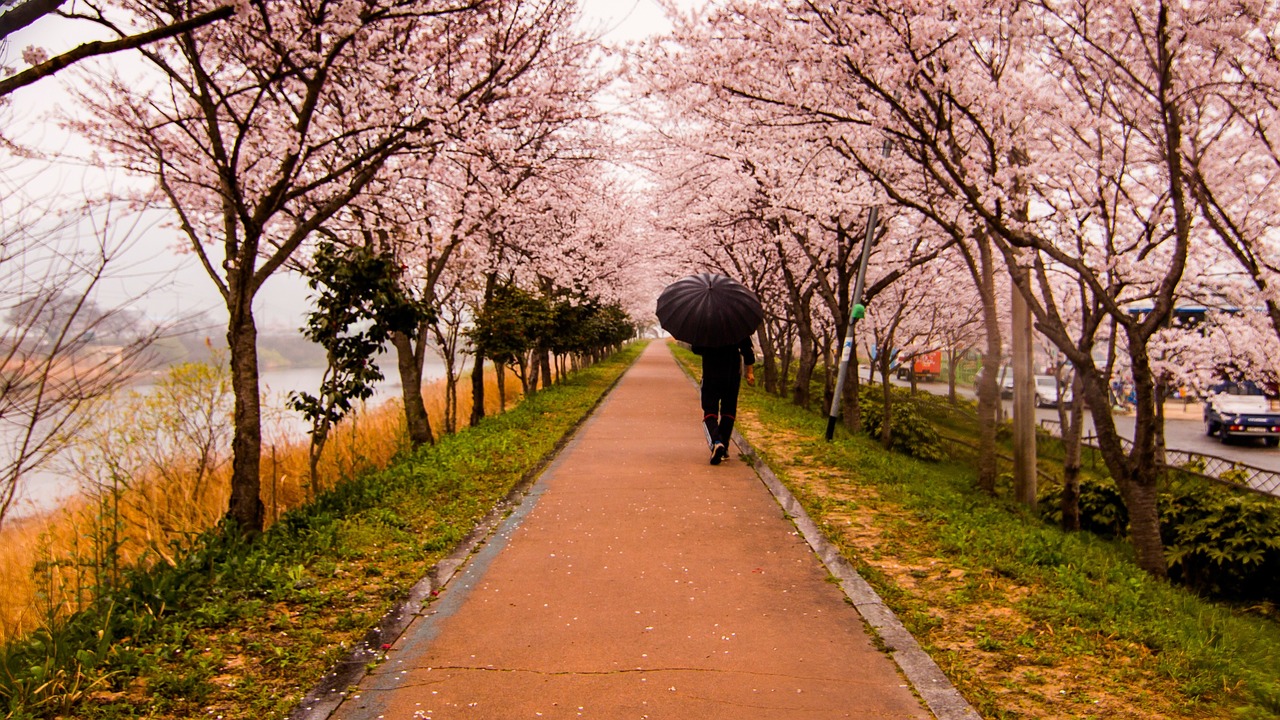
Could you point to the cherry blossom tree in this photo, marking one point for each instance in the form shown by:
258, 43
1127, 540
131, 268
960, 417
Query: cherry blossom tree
768, 165
1054, 142
1230, 151
901, 325
532, 131
958, 306
1056, 130
263, 127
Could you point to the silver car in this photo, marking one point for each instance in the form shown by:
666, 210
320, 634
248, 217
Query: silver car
1048, 393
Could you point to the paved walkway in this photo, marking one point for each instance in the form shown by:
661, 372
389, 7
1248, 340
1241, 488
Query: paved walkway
639, 581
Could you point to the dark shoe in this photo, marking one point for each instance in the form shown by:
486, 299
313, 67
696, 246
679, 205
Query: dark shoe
718, 453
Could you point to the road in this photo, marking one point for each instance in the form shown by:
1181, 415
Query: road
1184, 430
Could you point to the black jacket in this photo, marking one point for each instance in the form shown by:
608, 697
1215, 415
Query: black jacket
725, 360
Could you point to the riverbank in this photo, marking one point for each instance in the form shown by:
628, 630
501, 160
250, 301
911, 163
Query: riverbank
52, 486
154, 484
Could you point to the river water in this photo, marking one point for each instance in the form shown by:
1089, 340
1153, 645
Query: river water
46, 488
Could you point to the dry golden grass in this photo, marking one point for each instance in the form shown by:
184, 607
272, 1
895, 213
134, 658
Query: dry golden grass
48, 563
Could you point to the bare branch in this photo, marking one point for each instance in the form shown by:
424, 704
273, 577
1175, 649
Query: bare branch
102, 47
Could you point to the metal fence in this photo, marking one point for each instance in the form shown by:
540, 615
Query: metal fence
1230, 472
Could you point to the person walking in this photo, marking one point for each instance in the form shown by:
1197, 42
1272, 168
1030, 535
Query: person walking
721, 377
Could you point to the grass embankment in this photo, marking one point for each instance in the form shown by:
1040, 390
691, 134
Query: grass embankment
237, 630
151, 485
1026, 620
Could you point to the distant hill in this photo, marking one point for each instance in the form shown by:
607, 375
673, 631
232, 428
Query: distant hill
275, 349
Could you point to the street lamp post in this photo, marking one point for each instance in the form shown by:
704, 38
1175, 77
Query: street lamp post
856, 311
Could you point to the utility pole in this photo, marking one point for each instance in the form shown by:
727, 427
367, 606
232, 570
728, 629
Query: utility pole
1024, 414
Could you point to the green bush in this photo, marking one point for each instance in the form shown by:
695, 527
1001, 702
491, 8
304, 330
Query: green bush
1102, 510
1222, 543
911, 431
1219, 542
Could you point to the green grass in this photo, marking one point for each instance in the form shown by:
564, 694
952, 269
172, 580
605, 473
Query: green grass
244, 630
1026, 619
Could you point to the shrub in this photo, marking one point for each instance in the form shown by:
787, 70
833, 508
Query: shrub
1102, 510
1219, 542
1222, 543
911, 431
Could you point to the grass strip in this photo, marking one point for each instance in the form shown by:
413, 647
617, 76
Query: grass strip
1026, 620
244, 630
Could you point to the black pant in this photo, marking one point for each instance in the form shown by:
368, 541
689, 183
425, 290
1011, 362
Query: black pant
719, 405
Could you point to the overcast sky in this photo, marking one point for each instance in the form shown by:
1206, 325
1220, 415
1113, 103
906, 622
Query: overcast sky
184, 286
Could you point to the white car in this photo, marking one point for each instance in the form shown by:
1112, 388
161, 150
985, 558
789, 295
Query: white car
1004, 379
1046, 389
1241, 409
1047, 392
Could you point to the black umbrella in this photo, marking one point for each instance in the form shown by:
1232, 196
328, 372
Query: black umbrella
707, 309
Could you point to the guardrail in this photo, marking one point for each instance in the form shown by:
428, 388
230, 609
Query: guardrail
1228, 472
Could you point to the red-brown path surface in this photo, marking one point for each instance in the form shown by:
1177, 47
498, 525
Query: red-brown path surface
643, 583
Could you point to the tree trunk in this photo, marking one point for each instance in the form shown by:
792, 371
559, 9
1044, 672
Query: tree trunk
989, 403
544, 362
1024, 402
501, 370
409, 358
953, 357
804, 373
477, 389
319, 437
851, 403
1162, 392
769, 363
1136, 473
886, 392
529, 373
477, 372
1140, 495
450, 394
786, 359
1138, 486
245, 507
830, 370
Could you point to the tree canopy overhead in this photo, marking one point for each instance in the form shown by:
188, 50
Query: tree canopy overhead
1092, 158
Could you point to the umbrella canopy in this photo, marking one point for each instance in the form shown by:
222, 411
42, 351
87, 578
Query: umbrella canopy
708, 309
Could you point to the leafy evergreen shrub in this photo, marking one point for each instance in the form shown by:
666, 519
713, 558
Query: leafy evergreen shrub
1222, 543
911, 432
1219, 542
1102, 510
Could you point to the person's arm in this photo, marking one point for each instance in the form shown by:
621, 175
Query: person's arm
749, 359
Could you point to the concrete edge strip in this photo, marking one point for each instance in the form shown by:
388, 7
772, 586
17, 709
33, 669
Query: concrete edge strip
944, 701
325, 698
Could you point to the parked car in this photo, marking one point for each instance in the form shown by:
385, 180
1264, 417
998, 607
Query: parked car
1048, 394
1241, 409
1004, 378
